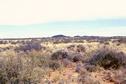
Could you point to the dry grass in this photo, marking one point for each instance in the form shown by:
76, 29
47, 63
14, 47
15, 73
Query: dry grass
64, 63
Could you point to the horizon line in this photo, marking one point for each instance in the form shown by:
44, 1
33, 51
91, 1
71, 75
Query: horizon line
15, 38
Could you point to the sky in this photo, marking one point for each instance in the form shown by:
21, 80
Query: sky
41, 18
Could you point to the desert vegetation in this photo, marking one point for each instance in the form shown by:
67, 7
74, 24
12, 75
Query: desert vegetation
63, 60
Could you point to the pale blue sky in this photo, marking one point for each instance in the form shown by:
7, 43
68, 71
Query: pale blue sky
104, 27
39, 18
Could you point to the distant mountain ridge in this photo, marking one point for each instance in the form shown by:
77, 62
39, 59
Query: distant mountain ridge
60, 36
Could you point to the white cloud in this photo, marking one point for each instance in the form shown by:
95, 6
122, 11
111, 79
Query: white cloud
39, 11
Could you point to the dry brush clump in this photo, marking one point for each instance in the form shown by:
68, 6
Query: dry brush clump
77, 48
65, 54
29, 46
80, 48
26, 68
60, 54
108, 58
17, 70
54, 65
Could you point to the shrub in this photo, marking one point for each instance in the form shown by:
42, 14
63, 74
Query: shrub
30, 46
80, 68
9, 71
21, 70
80, 48
61, 54
71, 47
78, 57
54, 65
77, 48
71, 56
90, 68
66, 63
108, 58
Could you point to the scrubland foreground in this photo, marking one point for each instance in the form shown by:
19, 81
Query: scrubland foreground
62, 62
